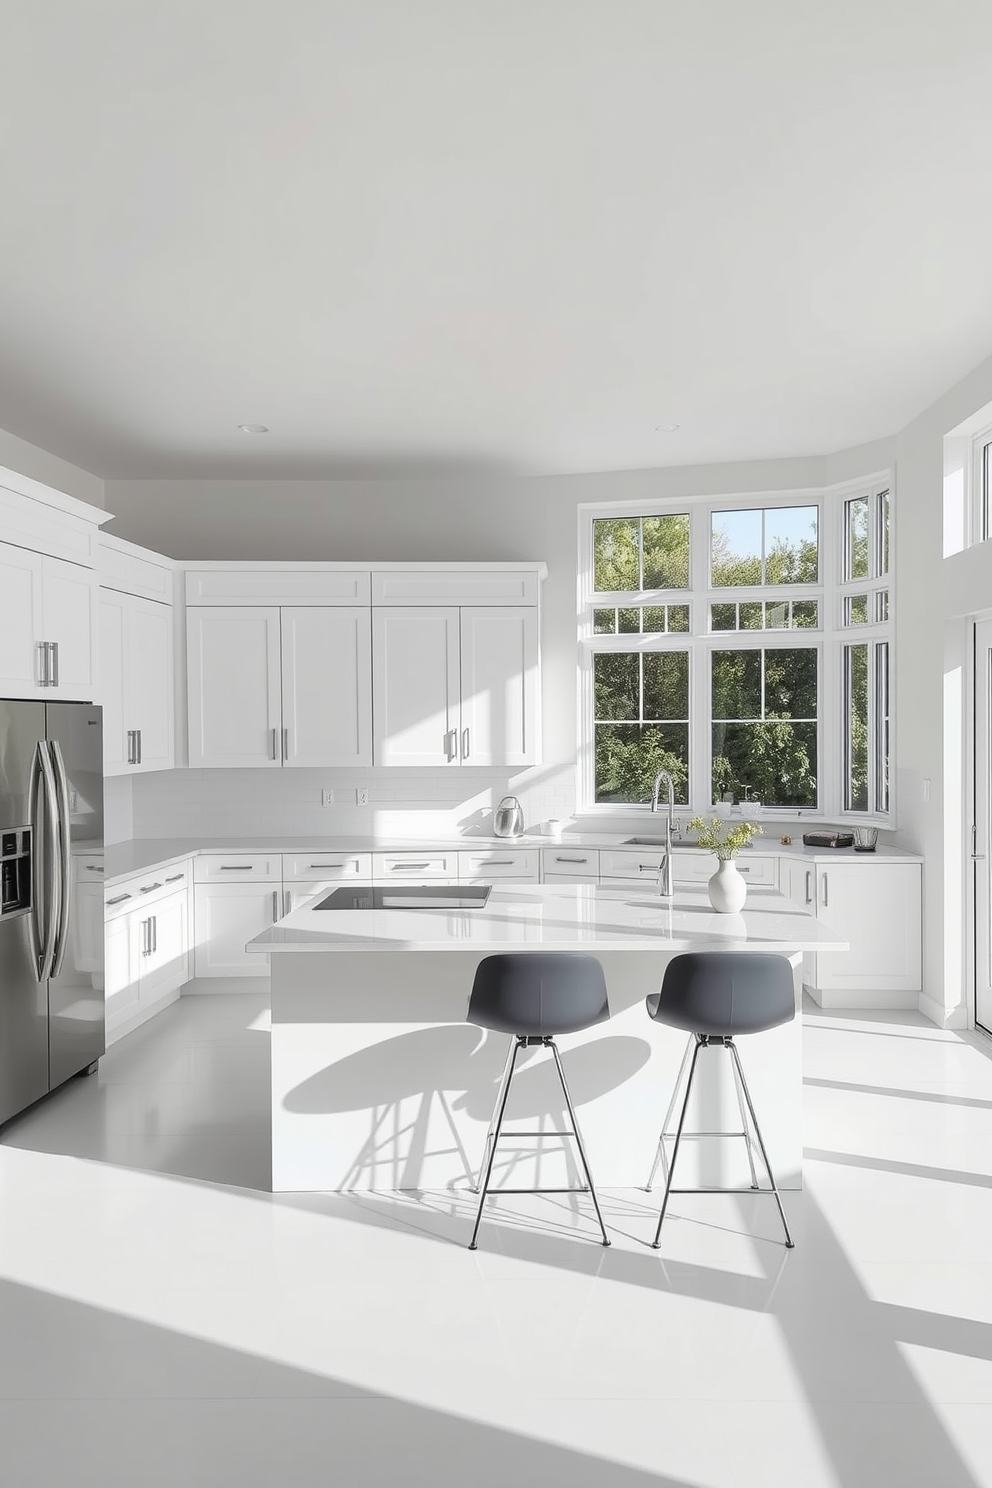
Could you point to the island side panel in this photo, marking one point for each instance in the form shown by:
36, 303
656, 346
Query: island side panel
378, 1082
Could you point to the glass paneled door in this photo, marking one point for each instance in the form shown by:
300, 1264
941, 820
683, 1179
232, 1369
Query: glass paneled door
981, 832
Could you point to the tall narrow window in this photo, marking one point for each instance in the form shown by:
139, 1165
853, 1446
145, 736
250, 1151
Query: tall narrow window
866, 744
642, 723
764, 712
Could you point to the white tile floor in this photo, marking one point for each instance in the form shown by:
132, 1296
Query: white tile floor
165, 1321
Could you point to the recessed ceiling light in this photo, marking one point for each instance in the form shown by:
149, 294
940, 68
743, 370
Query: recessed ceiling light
665, 428
254, 428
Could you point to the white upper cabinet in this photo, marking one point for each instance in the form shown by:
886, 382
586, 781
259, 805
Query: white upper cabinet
279, 686
441, 668
500, 686
416, 686
136, 684
326, 686
49, 615
456, 686
233, 679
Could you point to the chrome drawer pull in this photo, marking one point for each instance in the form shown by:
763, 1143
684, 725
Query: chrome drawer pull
119, 900
147, 889
235, 867
571, 860
496, 863
91, 869
395, 866
175, 878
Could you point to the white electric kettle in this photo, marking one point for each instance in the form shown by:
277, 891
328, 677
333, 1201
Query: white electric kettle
508, 818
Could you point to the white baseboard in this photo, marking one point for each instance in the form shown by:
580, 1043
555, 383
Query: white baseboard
855, 1000
956, 1017
200, 986
141, 1015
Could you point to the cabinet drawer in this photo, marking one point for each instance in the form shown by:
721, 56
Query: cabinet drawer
388, 867
570, 862
237, 867
494, 864
695, 866
320, 867
643, 863
140, 892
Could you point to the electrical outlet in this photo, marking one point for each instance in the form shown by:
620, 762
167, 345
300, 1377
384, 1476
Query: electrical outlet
327, 798
362, 795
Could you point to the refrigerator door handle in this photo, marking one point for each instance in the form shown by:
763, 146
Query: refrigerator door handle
65, 862
37, 884
52, 862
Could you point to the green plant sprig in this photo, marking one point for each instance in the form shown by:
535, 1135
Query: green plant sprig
726, 841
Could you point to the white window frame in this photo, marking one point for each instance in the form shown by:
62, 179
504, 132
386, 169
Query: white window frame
828, 638
979, 502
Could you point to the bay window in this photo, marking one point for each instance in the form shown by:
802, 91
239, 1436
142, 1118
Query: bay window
743, 645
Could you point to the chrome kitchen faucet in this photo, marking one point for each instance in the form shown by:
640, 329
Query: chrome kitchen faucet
665, 878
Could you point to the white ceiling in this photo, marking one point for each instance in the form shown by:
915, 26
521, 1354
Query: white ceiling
512, 234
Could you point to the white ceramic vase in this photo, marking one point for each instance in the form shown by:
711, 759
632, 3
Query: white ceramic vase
727, 888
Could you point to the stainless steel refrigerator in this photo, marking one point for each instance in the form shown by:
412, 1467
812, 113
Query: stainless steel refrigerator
51, 916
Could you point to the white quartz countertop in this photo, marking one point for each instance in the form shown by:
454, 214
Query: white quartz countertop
123, 860
559, 917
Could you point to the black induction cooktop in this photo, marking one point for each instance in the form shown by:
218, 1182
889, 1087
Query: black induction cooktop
410, 896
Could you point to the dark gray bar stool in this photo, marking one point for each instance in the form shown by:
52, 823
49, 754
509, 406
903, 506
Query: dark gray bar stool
534, 996
716, 995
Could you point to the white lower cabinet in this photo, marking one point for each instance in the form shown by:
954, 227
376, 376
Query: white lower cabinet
146, 946
576, 865
877, 907
227, 916
499, 865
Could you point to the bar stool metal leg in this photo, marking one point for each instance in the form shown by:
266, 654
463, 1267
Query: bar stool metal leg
655, 1244
578, 1139
790, 1243
747, 1131
659, 1156
492, 1120
498, 1122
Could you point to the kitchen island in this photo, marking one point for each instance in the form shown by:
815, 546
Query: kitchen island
379, 1083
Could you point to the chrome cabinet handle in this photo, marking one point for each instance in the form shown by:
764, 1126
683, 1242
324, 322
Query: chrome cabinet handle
397, 866
138, 760
235, 867
465, 738
146, 948
824, 891
644, 867
809, 886
976, 856
275, 905
154, 933
450, 745
91, 868
743, 870
287, 901
55, 663
130, 746
348, 863
119, 900
285, 743
42, 647
148, 888
571, 860
275, 744
176, 877
496, 863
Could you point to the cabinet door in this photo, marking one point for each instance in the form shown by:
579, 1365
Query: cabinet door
110, 688
20, 586
876, 907
148, 689
122, 959
327, 686
415, 682
499, 687
235, 716
70, 617
165, 966
227, 917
